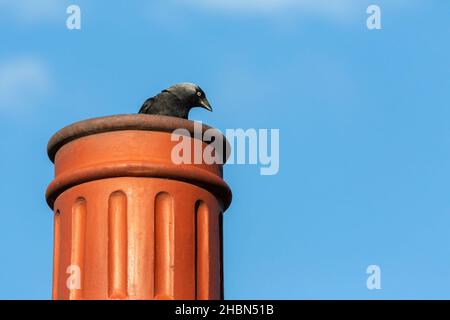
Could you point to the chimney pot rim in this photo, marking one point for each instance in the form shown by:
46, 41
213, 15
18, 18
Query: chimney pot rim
117, 123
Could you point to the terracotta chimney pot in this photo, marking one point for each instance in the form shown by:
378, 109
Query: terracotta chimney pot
128, 222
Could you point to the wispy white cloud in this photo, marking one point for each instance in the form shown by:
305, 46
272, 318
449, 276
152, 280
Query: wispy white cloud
32, 10
330, 8
23, 81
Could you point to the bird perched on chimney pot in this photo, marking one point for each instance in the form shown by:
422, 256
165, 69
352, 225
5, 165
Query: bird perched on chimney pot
176, 101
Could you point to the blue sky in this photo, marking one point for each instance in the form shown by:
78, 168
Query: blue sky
364, 119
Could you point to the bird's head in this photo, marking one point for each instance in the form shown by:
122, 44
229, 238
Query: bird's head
191, 95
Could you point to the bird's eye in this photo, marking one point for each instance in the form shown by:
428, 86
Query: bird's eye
199, 93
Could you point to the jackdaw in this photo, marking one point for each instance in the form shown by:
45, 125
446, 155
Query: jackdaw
176, 101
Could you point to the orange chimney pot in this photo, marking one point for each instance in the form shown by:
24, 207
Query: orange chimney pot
128, 222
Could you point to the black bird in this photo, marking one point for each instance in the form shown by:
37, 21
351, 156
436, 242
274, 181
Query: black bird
176, 101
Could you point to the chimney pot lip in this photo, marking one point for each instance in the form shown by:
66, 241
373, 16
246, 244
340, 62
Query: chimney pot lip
116, 123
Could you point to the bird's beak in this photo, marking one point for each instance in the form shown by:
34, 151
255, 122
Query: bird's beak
204, 103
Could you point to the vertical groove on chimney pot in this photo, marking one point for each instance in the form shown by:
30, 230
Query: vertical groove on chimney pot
196, 249
164, 247
202, 251
117, 246
78, 248
56, 254
221, 266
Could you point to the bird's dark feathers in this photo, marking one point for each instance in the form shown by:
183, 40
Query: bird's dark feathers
165, 104
176, 101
